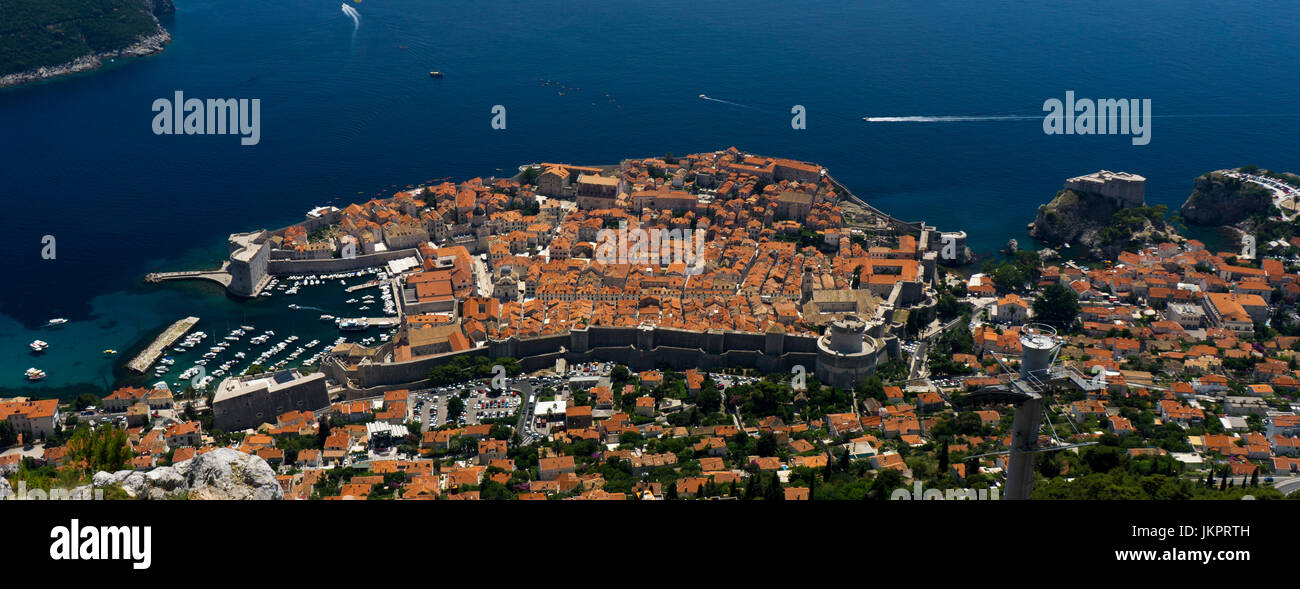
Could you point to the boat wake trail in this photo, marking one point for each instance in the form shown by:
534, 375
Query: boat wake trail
354, 15
949, 119
706, 97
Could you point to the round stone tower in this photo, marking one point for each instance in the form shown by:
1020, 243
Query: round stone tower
845, 354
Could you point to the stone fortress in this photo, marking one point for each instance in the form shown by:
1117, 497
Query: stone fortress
1127, 190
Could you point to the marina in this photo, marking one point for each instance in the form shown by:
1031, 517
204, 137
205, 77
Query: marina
245, 347
146, 358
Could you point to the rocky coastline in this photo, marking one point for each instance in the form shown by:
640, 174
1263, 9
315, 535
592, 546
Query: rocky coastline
1218, 199
151, 44
1099, 225
146, 46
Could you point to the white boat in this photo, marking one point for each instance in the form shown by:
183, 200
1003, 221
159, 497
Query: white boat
38, 346
55, 321
326, 317
34, 374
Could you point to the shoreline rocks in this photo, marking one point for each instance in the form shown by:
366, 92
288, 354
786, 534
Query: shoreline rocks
1102, 223
145, 46
1218, 199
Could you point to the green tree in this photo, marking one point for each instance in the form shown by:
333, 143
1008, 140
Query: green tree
8, 436
85, 400
1057, 306
455, 407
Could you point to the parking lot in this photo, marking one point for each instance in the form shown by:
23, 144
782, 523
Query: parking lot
480, 404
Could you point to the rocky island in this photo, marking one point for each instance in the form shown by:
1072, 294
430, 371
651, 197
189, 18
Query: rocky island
41, 39
1227, 197
1104, 213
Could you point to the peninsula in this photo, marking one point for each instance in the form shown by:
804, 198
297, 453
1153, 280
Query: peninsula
717, 324
40, 39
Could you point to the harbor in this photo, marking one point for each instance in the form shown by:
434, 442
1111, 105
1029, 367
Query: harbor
146, 358
267, 332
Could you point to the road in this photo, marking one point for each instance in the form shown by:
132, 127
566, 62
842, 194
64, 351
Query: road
1287, 485
524, 425
483, 278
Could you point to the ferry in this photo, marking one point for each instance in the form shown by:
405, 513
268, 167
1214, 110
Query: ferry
39, 346
55, 322
34, 374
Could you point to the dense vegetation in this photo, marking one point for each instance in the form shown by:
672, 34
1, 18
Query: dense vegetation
464, 368
42, 33
1057, 306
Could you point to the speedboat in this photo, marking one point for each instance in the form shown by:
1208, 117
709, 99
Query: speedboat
56, 321
109, 353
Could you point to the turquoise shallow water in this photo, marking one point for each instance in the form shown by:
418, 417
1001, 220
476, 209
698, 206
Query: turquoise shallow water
344, 114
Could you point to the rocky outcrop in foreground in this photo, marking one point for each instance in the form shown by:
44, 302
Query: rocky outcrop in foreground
222, 474
1218, 199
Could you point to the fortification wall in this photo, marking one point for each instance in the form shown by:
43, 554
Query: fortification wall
639, 349
330, 265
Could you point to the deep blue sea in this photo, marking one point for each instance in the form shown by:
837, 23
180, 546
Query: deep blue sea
351, 114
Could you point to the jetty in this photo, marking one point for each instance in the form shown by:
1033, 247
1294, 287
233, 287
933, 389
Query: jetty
380, 322
146, 358
369, 284
220, 275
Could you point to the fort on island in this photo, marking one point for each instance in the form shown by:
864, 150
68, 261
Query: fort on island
795, 271
1127, 190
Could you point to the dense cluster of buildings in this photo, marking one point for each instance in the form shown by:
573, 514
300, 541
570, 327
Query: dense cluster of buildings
521, 260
